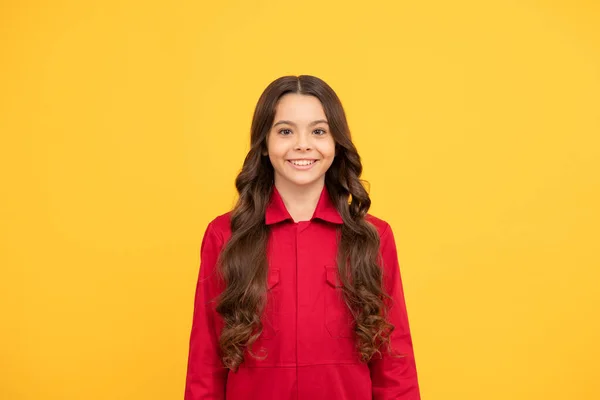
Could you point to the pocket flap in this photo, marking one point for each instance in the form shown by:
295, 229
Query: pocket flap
272, 278
333, 276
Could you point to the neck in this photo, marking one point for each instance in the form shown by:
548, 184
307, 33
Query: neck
300, 201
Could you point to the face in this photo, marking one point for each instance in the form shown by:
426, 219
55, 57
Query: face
299, 144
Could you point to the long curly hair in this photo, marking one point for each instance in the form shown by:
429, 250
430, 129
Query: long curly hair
243, 262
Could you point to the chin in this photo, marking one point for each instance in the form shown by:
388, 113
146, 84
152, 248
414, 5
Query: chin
304, 182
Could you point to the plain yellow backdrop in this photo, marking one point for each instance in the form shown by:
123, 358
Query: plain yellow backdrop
123, 125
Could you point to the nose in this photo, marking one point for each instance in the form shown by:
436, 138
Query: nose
302, 142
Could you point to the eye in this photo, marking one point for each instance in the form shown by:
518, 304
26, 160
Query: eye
283, 131
320, 130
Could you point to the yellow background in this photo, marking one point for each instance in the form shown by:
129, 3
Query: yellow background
124, 125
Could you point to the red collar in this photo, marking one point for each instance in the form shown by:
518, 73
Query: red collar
326, 210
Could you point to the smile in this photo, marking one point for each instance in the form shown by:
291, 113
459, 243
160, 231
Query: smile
302, 164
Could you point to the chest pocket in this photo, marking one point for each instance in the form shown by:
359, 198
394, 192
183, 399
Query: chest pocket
271, 317
338, 318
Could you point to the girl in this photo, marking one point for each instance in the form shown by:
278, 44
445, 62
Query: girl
299, 294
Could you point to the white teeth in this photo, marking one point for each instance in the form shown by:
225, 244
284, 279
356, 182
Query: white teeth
300, 163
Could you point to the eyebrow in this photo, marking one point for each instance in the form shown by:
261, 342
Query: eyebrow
293, 124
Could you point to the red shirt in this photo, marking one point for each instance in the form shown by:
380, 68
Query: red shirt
307, 327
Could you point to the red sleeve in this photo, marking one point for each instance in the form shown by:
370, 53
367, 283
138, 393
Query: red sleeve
392, 377
206, 376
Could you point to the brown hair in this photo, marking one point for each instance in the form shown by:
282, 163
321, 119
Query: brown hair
243, 262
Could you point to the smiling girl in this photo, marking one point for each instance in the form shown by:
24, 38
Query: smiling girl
299, 294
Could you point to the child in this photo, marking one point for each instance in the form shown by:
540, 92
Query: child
299, 294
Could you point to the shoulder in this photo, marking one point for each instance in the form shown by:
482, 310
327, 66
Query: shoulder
382, 226
220, 226
387, 249
387, 241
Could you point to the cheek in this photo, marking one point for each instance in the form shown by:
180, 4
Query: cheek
328, 149
276, 149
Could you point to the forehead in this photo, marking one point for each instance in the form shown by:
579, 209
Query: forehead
299, 107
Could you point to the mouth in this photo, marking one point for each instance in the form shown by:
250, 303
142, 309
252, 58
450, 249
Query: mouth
302, 164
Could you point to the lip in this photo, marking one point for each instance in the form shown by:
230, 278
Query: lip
302, 167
